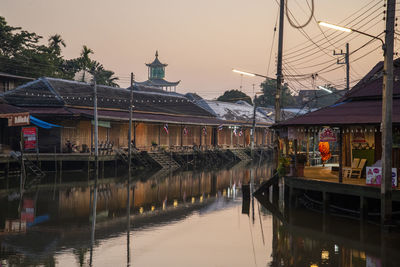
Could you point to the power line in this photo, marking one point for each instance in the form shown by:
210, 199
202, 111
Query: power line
290, 51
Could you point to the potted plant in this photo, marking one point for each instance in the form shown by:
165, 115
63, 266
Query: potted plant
153, 145
301, 161
283, 166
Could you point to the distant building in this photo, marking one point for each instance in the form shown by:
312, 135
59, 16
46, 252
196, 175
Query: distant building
9, 81
156, 74
315, 99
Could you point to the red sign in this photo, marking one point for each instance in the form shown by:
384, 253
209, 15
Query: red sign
327, 135
30, 137
28, 211
359, 137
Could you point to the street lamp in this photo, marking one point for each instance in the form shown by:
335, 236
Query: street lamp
254, 104
349, 30
252, 74
325, 89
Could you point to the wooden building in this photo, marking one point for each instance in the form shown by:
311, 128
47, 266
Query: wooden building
355, 119
162, 119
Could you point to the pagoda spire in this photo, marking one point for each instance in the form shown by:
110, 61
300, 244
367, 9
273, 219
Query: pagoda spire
156, 53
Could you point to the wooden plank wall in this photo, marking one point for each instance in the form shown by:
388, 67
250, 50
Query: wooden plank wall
80, 132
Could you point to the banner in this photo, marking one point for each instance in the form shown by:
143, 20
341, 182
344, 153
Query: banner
374, 176
327, 135
358, 137
29, 135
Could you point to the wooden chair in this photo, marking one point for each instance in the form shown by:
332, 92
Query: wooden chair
347, 171
358, 171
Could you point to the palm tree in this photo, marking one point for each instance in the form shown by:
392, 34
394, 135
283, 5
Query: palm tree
55, 43
102, 75
85, 61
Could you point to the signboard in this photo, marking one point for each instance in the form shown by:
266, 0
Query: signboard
327, 135
359, 137
29, 135
18, 119
28, 211
374, 176
105, 124
291, 133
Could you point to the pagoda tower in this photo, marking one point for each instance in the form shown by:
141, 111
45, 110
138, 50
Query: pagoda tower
156, 74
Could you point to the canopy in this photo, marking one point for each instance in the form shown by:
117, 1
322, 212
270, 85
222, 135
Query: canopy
42, 124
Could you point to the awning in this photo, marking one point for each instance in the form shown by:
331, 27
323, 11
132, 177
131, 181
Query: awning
42, 124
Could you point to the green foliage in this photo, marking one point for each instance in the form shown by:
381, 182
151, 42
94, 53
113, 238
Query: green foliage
22, 54
234, 96
268, 97
284, 164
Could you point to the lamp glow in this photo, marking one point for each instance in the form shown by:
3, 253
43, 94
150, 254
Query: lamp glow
335, 27
244, 73
325, 89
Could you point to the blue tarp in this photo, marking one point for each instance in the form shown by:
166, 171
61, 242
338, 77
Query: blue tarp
42, 124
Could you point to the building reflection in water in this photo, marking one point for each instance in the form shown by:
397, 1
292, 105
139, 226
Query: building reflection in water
62, 213
308, 238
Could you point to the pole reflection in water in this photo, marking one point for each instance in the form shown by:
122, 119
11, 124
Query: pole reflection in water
302, 237
128, 223
184, 233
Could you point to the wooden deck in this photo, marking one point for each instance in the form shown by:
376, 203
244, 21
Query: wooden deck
322, 179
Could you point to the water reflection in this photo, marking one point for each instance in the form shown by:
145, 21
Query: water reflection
181, 219
307, 238
59, 219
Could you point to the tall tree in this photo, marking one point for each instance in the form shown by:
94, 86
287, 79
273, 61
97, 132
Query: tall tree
234, 96
268, 97
85, 61
55, 43
22, 54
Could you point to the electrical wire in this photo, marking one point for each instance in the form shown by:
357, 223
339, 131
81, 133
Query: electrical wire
304, 24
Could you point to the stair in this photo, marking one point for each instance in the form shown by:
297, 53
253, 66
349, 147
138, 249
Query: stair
164, 160
137, 155
239, 153
28, 164
122, 155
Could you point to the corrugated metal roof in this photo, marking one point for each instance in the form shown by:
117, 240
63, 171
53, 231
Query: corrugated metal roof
51, 92
233, 112
361, 105
353, 112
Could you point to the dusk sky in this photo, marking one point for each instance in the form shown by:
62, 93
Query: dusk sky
203, 40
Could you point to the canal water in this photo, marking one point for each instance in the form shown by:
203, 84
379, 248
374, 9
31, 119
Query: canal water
186, 218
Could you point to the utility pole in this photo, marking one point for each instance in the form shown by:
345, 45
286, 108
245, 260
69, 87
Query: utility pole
279, 64
387, 103
128, 186
96, 166
96, 151
347, 62
130, 131
253, 130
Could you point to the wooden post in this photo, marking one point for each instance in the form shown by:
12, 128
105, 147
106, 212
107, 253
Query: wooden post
231, 138
308, 148
61, 171
340, 156
326, 200
295, 156
363, 207
88, 169
159, 135
6, 173
387, 105
181, 135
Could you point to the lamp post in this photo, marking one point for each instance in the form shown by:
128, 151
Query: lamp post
387, 105
254, 105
